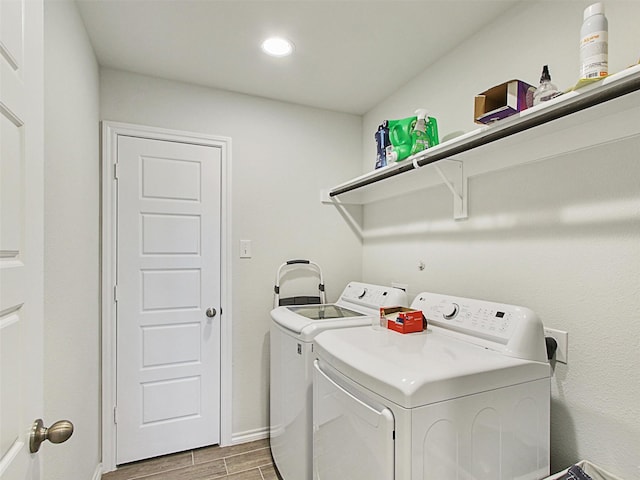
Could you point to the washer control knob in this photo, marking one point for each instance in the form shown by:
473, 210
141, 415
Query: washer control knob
450, 311
361, 293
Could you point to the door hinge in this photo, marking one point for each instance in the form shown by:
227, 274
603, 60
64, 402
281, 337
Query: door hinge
115, 415
115, 293
115, 171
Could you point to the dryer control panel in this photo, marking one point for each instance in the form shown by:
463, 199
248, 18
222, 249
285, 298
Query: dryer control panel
513, 330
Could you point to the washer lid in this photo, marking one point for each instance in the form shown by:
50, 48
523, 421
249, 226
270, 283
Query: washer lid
358, 304
421, 368
306, 321
324, 312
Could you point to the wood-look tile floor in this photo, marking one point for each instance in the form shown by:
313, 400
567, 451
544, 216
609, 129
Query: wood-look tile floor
247, 461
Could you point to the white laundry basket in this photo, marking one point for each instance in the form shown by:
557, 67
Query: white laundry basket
595, 472
300, 299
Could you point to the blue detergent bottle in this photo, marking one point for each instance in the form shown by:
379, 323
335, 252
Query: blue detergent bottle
382, 142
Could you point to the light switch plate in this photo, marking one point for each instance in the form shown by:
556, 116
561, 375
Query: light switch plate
245, 248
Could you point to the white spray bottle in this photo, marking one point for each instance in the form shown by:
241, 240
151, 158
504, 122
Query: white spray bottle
421, 141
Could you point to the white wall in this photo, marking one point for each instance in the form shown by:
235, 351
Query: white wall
71, 275
282, 155
560, 236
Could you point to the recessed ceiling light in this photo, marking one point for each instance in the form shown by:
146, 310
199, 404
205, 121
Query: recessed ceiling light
277, 47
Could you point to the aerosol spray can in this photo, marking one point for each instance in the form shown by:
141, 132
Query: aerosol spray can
594, 43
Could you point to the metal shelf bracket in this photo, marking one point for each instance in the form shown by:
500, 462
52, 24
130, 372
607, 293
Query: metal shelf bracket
452, 174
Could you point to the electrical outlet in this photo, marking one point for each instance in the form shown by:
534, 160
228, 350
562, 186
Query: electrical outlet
562, 338
401, 286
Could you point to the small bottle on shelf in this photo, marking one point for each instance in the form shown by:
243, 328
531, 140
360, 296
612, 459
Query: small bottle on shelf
546, 90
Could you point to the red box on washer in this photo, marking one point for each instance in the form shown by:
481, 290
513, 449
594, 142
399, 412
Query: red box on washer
403, 320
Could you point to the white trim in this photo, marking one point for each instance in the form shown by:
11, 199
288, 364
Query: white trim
7, 459
97, 474
110, 133
250, 435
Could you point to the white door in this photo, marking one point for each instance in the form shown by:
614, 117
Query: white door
168, 297
353, 436
21, 235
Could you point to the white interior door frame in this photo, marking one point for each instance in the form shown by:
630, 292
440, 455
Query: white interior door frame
110, 133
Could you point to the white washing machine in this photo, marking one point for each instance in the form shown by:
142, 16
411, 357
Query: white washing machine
467, 399
292, 332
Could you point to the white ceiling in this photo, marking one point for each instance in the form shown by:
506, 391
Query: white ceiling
349, 54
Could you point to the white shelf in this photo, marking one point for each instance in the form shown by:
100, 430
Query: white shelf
604, 112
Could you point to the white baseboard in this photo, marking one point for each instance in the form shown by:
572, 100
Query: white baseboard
97, 475
249, 435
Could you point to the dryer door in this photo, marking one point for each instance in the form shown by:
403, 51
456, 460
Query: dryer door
353, 437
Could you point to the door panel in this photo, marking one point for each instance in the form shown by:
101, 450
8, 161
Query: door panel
21, 242
353, 438
170, 234
184, 340
166, 290
168, 274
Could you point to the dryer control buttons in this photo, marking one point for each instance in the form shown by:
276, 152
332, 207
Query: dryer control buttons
450, 311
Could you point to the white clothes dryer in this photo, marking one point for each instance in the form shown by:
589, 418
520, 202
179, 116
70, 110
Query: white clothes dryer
293, 329
466, 399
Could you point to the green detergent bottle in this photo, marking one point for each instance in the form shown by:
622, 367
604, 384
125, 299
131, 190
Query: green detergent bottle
411, 135
400, 136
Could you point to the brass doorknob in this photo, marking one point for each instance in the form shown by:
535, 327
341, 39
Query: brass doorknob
57, 433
